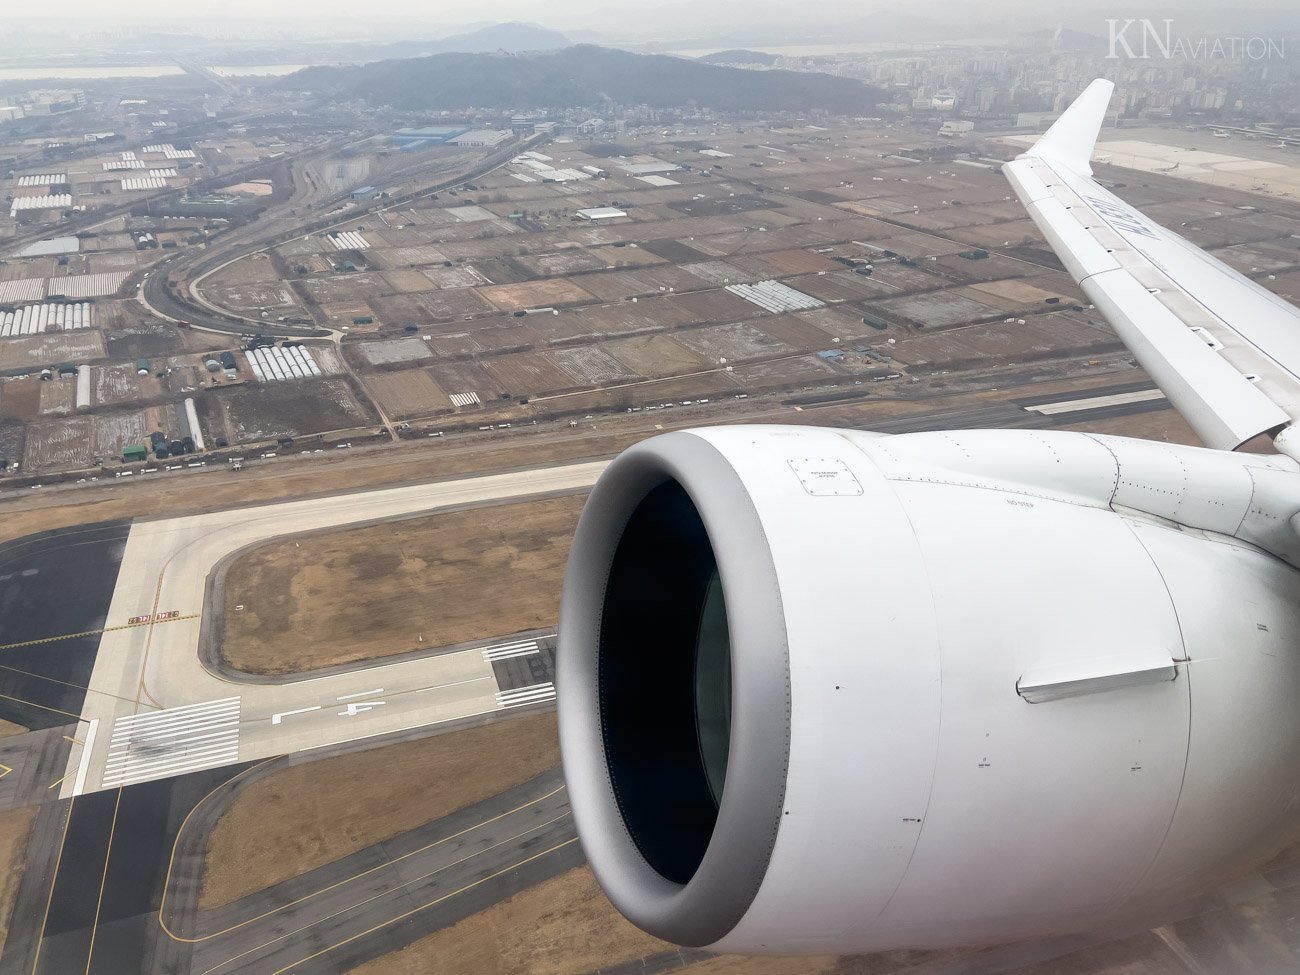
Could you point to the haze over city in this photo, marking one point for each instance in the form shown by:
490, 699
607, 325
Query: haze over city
897, 400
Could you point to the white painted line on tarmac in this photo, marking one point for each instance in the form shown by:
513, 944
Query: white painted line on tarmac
455, 683
163, 743
526, 695
83, 764
172, 768
184, 711
397, 731
281, 715
360, 707
348, 697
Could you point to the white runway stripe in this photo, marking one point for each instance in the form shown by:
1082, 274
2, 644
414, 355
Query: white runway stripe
158, 744
526, 695
170, 714
507, 650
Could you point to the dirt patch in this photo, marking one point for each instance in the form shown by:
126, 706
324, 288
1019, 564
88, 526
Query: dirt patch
348, 596
278, 828
655, 355
15, 831
534, 294
309, 406
409, 393
20, 399
559, 927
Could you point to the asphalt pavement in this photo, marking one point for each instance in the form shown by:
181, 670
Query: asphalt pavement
52, 585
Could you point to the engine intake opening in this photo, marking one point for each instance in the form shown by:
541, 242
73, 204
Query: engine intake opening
665, 682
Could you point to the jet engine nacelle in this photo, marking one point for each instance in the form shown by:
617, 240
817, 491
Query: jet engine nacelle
824, 691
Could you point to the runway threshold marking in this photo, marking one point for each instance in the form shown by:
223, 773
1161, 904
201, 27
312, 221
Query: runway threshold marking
505, 651
162, 907
533, 694
158, 744
106, 629
384, 893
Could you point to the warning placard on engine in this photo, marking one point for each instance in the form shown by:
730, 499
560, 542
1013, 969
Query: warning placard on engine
825, 476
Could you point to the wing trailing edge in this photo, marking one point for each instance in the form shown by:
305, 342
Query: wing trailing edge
1225, 351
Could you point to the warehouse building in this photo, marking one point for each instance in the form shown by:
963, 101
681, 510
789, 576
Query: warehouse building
485, 138
601, 213
429, 135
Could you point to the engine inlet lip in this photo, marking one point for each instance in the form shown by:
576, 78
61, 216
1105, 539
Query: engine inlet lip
715, 899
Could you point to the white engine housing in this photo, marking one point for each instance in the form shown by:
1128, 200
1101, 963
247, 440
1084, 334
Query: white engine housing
984, 686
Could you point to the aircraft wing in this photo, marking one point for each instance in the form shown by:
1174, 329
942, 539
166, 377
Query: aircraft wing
1225, 351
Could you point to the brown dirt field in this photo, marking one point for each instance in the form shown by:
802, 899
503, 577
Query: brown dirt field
406, 394
278, 828
794, 331
529, 373
452, 303
798, 262
448, 578
406, 279
655, 356
560, 927
465, 376
1159, 425
534, 294
15, 830
20, 399
9, 728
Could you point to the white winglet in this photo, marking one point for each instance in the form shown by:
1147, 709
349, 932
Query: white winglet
1071, 138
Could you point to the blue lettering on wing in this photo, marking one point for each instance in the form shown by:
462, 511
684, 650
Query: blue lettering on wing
1120, 218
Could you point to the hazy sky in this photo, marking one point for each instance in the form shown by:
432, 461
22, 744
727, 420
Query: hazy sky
313, 17
550, 10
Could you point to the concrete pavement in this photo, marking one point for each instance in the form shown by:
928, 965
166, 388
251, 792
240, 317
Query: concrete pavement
154, 710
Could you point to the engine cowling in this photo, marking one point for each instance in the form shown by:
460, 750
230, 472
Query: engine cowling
825, 691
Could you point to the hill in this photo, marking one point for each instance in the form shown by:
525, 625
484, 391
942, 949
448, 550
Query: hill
740, 57
498, 37
580, 76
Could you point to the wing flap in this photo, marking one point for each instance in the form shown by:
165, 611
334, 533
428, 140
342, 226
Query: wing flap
1224, 350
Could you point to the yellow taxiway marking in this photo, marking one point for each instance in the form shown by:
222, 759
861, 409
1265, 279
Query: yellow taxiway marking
75, 741
45, 920
103, 880
33, 704
384, 893
59, 781
106, 629
425, 906
6, 771
324, 890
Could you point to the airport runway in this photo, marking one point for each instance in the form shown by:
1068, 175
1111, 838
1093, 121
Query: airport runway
154, 710
159, 731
